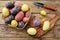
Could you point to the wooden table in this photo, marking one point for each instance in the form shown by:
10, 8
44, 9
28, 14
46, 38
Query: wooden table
8, 33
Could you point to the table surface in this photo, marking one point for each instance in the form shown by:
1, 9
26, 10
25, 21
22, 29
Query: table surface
8, 33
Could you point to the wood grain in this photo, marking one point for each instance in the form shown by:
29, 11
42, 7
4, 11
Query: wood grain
8, 33
33, 7
18, 39
56, 32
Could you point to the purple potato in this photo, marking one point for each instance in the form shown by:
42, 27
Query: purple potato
36, 22
15, 10
9, 19
9, 5
21, 24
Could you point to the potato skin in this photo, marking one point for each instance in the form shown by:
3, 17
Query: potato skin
27, 14
24, 7
9, 19
9, 5
25, 19
15, 10
21, 24
19, 16
14, 23
5, 12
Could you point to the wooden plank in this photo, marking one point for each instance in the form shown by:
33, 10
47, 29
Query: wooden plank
49, 39
28, 39
18, 39
58, 38
33, 7
8, 32
57, 31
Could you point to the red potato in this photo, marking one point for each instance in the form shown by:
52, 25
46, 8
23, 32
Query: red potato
19, 16
25, 19
17, 3
27, 14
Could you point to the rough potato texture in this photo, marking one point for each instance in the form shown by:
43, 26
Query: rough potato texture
19, 16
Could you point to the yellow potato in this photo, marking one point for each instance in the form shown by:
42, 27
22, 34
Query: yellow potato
5, 12
14, 23
43, 12
46, 25
24, 7
31, 31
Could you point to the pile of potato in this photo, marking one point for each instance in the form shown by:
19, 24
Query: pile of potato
16, 14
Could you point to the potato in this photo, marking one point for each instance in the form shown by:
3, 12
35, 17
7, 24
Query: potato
31, 31
43, 13
14, 23
9, 19
9, 5
15, 10
5, 12
18, 3
19, 16
24, 7
25, 19
21, 24
27, 14
46, 25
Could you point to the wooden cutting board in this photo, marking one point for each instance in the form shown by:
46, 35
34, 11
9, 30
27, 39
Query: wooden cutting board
39, 29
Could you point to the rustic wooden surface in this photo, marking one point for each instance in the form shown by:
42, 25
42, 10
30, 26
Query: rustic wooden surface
7, 33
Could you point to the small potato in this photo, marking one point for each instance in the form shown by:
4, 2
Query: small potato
27, 14
46, 25
21, 24
18, 3
36, 22
19, 16
9, 5
14, 23
43, 13
31, 31
5, 12
25, 19
9, 19
15, 10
